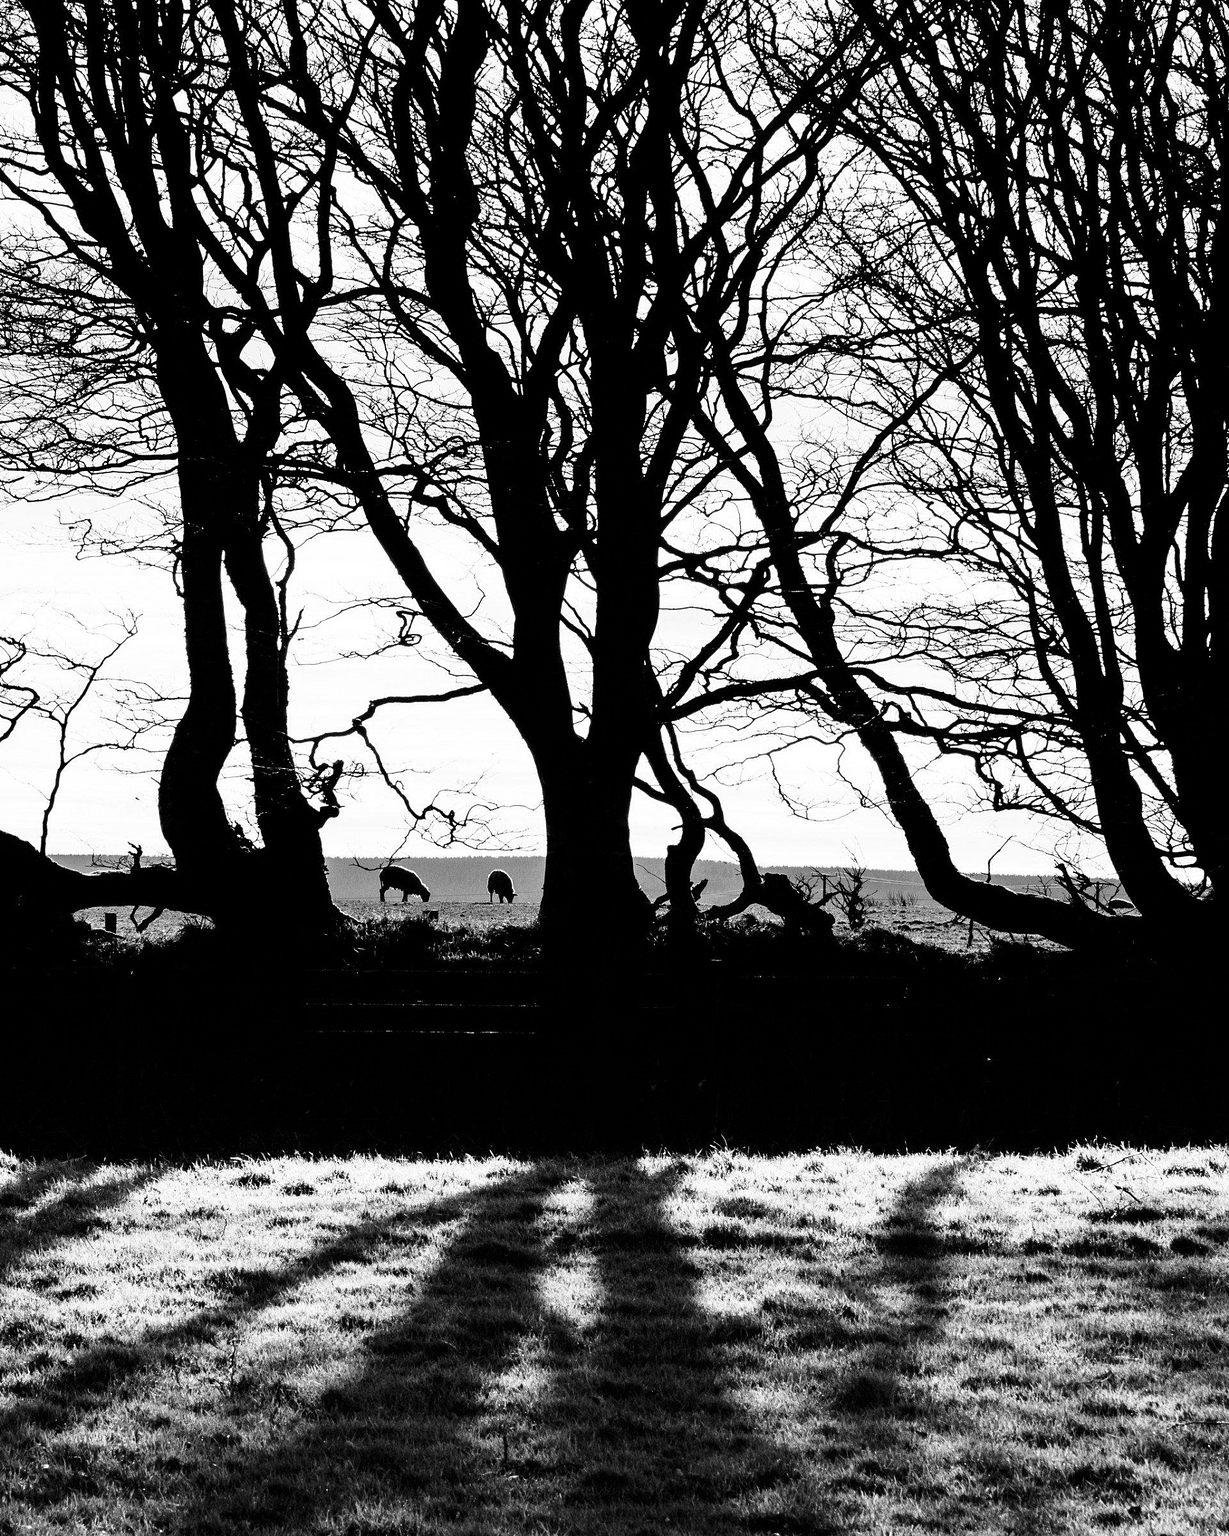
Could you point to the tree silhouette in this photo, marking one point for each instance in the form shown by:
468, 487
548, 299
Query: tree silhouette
1069, 167
114, 290
538, 220
1019, 268
458, 240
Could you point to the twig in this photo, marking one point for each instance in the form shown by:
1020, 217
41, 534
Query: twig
1092, 1192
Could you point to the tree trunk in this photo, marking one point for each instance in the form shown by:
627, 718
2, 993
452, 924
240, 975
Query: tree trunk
593, 910
846, 700
190, 808
682, 913
219, 496
37, 896
595, 919
295, 871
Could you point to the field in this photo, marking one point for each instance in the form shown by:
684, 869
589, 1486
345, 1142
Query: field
823, 1343
898, 908
895, 899
478, 915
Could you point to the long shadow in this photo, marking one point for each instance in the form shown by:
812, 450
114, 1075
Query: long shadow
98, 1374
890, 1411
404, 1424
664, 1378
630, 1422
914, 1257
74, 1213
635, 1422
649, 1423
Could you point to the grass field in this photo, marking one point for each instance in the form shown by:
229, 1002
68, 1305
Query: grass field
478, 915
899, 909
719, 1344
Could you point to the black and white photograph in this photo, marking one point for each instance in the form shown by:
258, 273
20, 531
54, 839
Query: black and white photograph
613, 768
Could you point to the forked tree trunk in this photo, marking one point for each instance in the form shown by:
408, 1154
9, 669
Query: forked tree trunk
219, 496
682, 913
293, 873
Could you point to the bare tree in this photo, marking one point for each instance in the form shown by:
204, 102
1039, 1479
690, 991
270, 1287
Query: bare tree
1066, 171
1013, 317
529, 219
476, 322
60, 710
114, 289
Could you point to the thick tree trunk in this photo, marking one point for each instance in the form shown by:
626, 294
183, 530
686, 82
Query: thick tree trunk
595, 919
289, 827
37, 896
217, 876
219, 496
193, 817
593, 910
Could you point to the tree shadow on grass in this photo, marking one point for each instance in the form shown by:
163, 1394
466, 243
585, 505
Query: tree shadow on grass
911, 1417
482, 1409
98, 1376
869, 1378
406, 1426
664, 1413
980, 1446
75, 1212
912, 1268
645, 1412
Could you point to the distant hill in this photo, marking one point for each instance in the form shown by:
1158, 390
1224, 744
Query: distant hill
462, 877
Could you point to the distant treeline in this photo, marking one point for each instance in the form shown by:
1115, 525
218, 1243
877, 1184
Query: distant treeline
463, 877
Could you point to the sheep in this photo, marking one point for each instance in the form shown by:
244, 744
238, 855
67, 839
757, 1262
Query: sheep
394, 878
499, 883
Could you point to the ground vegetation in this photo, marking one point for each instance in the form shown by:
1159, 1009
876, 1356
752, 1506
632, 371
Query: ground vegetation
828, 1341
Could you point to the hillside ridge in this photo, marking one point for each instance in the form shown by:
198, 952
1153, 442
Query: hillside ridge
462, 877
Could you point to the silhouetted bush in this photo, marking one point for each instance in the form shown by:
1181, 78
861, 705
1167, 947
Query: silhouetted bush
410, 1036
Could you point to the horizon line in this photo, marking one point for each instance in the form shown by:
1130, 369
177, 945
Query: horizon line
768, 865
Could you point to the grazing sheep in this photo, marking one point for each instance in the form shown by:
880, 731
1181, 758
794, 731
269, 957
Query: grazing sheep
499, 883
394, 878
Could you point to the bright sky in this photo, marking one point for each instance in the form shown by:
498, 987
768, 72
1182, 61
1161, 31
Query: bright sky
465, 752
